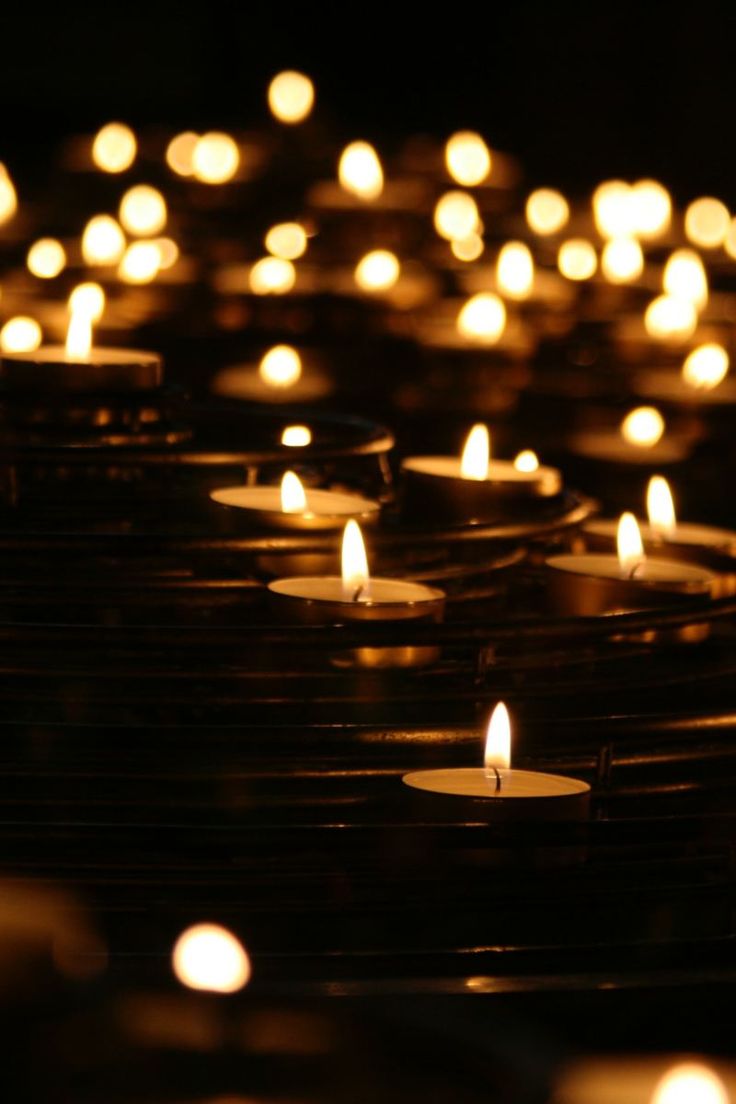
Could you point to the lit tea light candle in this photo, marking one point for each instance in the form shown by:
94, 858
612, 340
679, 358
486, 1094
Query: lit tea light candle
515, 271
80, 366
473, 487
592, 584
704, 379
296, 436
291, 506
360, 172
46, 258
355, 595
290, 97
651, 1079
651, 209
641, 438
456, 216
103, 241
210, 958
707, 222
114, 148
468, 158
547, 212
215, 158
279, 377
503, 792
684, 277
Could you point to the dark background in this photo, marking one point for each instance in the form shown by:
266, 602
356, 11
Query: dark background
579, 92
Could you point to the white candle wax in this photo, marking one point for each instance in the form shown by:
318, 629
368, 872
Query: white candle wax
103, 369
388, 597
482, 783
658, 574
244, 381
684, 533
325, 509
547, 480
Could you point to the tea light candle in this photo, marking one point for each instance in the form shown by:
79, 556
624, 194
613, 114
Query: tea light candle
641, 438
279, 377
290, 506
473, 487
507, 794
589, 585
356, 596
80, 366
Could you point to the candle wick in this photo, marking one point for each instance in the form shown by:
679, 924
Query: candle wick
358, 592
497, 773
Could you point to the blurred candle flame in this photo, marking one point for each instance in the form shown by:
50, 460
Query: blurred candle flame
614, 209
629, 544
482, 318
377, 271
103, 241
622, 260
180, 153
290, 96
46, 258
670, 318
89, 299
515, 270
643, 426
547, 211
476, 455
661, 507
211, 958
456, 216
576, 259
114, 148
526, 461
685, 277
287, 240
497, 751
20, 334
356, 580
690, 1083
272, 276
140, 263
706, 366
215, 158
296, 436
281, 366
468, 158
293, 495
79, 335
707, 222
468, 249
359, 171
652, 209
143, 210
8, 196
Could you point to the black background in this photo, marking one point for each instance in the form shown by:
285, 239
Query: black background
579, 92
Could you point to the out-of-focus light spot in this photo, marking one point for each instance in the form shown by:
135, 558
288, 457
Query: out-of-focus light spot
8, 196
468, 249
577, 259
88, 299
20, 335
468, 158
46, 258
359, 171
272, 276
706, 366
168, 251
622, 260
690, 1083
210, 957
456, 216
685, 277
281, 366
114, 148
377, 270
652, 209
547, 211
287, 240
668, 316
482, 318
515, 270
216, 158
613, 209
296, 436
141, 263
290, 96
643, 427
526, 461
180, 153
707, 222
143, 210
103, 241
729, 244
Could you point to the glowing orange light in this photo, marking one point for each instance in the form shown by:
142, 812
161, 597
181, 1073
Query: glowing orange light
707, 222
652, 209
46, 258
468, 249
180, 153
515, 270
296, 436
359, 171
497, 751
547, 211
20, 335
685, 277
211, 958
456, 216
8, 196
629, 544
690, 1083
643, 427
526, 461
355, 575
141, 263
287, 240
468, 158
669, 317
114, 148
476, 454
281, 366
622, 260
215, 158
576, 259
706, 366
103, 241
293, 495
79, 335
661, 507
89, 299
143, 210
482, 318
290, 96
272, 276
613, 209
377, 270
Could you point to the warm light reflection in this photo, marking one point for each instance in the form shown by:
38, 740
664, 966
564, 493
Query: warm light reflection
141, 263
476, 454
468, 158
482, 318
622, 260
210, 957
643, 427
685, 277
690, 1083
613, 209
729, 244
79, 336
180, 153
296, 436
629, 546
293, 496
515, 270
356, 582
103, 241
497, 751
706, 366
360, 172
168, 252
468, 249
46, 258
8, 196
456, 216
114, 148
20, 335
377, 270
290, 96
661, 507
577, 259
216, 158
287, 240
669, 317
526, 461
272, 276
547, 211
89, 299
651, 209
143, 210
281, 366
707, 222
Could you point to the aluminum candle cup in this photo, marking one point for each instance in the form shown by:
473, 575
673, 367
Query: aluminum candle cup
590, 585
508, 795
50, 368
435, 487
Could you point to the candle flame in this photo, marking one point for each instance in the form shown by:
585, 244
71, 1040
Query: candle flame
576, 259
103, 241
272, 276
360, 172
643, 427
356, 580
685, 277
281, 366
468, 158
456, 216
296, 436
143, 211
526, 461
547, 211
670, 317
293, 495
88, 298
706, 366
8, 196
622, 260
690, 1083
180, 153
498, 739
20, 335
476, 454
46, 258
707, 222
209, 957
661, 507
286, 240
614, 209
79, 335
114, 148
652, 208
215, 158
377, 271
629, 544
290, 96
468, 249
482, 318
515, 270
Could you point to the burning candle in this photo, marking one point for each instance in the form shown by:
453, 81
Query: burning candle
592, 584
80, 366
504, 793
291, 506
473, 487
279, 377
356, 596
